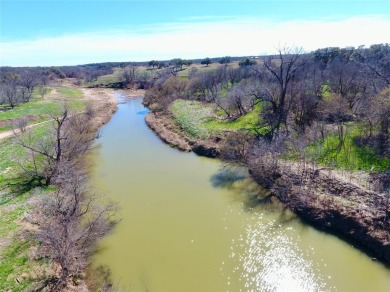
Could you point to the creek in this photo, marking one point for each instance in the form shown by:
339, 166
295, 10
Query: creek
189, 225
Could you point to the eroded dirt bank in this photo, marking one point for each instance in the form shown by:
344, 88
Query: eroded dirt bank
320, 196
165, 128
334, 205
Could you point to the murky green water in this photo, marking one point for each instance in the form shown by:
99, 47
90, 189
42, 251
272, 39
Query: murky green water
185, 227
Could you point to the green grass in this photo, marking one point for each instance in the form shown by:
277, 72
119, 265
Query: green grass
14, 261
351, 156
186, 70
70, 93
107, 79
190, 116
37, 108
8, 165
201, 120
248, 122
14, 257
40, 110
8, 220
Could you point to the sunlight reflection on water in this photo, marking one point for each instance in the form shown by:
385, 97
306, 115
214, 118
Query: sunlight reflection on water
267, 259
189, 227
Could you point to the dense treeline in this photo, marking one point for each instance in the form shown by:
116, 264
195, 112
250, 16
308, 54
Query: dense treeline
18, 83
17, 86
301, 98
291, 119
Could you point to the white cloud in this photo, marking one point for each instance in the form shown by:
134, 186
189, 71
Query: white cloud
236, 37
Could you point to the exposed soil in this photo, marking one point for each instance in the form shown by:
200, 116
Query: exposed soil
104, 102
164, 127
11, 122
166, 130
331, 200
9, 134
332, 204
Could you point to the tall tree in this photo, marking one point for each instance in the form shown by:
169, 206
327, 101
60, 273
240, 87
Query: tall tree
247, 62
70, 139
10, 91
281, 71
225, 60
206, 61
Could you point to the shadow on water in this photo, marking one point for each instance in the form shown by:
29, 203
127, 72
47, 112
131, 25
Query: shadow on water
246, 191
101, 280
286, 217
227, 176
253, 197
243, 189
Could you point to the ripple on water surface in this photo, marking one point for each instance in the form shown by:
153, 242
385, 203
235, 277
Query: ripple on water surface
188, 227
267, 258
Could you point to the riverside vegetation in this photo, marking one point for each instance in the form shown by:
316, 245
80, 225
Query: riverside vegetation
312, 128
50, 217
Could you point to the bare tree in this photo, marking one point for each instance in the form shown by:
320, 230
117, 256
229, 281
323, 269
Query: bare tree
376, 60
307, 92
70, 222
335, 109
264, 164
343, 75
239, 100
72, 218
237, 148
165, 73
71, 138
379, 111
10, 92
163, 94
129, 74
42, 90
28, 81
282, 71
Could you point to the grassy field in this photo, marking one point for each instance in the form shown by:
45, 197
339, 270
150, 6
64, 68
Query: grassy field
107, 79
17, 268
41, 109
200, 120
191, 116
115, 76
186, 70
350, 156
69, 94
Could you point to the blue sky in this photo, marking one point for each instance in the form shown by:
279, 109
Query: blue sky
50, 32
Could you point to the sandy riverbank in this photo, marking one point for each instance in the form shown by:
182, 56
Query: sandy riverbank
103, 101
